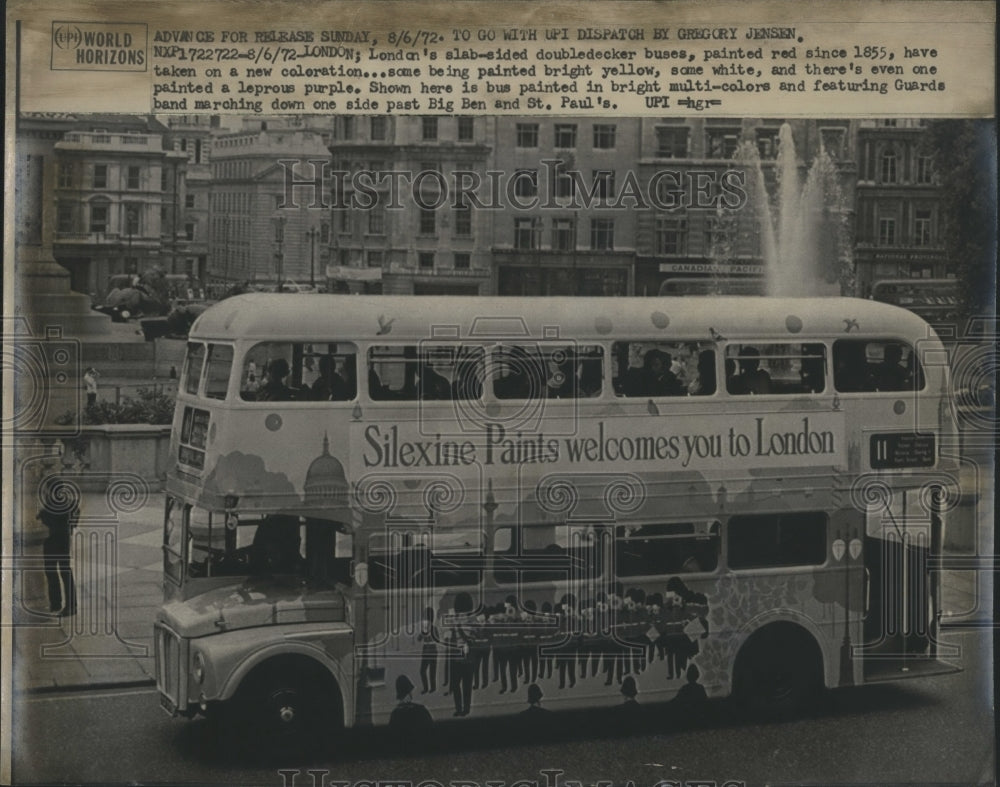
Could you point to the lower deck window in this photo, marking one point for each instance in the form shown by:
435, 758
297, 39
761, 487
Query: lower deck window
777, 540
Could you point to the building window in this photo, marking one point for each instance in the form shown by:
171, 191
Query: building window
563, 235
526, 233
888, 167
671, 235
279, 231
324, 232
65, 175
100, 176
604, 136
348, 127
429, 128
189, 230
832, 140
463, 220
425, 259
373, 259
466, 126
602, 234
131, 220
526, 183
189, 200
462, 261
922, 228
672, 141
527, 135
565, 135
722, 142
64, 218
887, 232
99, 217
379, 126
132, 178
345, 220
604, 184
767, 143
925, 170
563, 184
428, 221
376, 220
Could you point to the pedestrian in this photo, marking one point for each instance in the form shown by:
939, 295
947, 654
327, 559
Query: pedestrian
428, 652
59, 513
90, 381
461, 659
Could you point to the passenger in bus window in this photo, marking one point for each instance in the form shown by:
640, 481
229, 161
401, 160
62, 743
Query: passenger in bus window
275, 389
468, 382
276, 544
328, 382
657, 379
751, 379
432, 384
850, 373
524, 378
704, 384
590, 377
891, 375
562, 384
376, 390
812, 373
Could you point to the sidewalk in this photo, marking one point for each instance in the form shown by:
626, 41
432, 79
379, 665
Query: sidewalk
118, 570
117, 567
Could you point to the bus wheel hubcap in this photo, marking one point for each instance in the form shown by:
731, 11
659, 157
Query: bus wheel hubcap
286, 714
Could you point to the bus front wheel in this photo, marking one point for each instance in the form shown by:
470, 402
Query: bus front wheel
778, 671
289, 705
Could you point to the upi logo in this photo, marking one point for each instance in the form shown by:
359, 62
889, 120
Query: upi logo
67, 37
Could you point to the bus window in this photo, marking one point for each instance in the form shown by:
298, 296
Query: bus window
427, 372
651, 368
419, 559
777, 540
217, 371
262, 546
787, 368
173, 560
192, 366
875, 365
548, 553
669, 548
299, 371
548, 371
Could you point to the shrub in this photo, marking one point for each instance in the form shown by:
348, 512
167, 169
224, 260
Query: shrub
149, 406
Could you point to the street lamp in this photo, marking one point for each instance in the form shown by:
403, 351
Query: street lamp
311, 235
281, 251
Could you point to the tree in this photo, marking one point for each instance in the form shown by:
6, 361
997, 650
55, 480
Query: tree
965, 162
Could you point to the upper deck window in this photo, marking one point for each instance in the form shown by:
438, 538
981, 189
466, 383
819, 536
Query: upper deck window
786, 368
426, 372
542, 371
870, 365
299, 372
651, 368
218, 370
193, 364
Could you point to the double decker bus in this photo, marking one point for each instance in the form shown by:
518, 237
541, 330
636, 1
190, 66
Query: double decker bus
935, 300
468, 497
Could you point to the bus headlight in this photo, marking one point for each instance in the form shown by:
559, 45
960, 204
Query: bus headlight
198, 667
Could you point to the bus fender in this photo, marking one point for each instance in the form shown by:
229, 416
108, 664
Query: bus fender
275, 650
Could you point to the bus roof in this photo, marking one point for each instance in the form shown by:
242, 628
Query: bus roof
278, 316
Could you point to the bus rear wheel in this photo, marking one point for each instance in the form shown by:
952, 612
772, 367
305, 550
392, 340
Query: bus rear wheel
778, 672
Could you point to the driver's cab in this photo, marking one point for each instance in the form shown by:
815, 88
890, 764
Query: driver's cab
204, 549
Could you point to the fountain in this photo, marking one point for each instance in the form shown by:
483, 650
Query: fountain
805, 239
